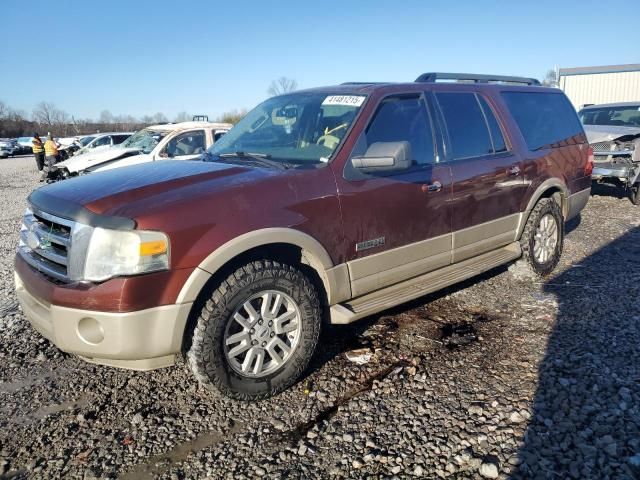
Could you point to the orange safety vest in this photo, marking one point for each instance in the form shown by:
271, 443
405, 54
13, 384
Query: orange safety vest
37, 145
50, 148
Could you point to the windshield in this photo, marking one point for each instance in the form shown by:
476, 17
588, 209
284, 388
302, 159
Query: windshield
299, 128
626, 116
145, 140
85, 140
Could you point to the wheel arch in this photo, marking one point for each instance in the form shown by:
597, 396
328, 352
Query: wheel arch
282, 244
551, 188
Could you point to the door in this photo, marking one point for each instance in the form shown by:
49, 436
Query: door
397, 223
488, 182
185, 146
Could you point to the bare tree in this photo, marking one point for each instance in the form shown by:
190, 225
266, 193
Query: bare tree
282, 85
44, 113
232, 116
159, 118
182, 117
106, 117
4, 110
551, 78
47, 115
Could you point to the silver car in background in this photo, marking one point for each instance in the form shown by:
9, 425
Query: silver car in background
613, 130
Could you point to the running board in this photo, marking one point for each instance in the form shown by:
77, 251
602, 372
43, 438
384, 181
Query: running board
413, 288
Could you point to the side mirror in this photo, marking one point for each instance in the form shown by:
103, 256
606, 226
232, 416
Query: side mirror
384, 157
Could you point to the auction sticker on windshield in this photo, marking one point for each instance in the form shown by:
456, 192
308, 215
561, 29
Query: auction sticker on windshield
347, 100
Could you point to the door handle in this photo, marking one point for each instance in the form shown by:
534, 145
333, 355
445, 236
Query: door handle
514, 170
432, 187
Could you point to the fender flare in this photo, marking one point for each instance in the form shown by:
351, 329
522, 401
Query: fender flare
550, 183
334, 278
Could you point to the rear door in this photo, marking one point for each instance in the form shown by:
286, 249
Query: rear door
397, 223
488, 182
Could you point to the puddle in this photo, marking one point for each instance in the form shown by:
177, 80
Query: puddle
43, 412
14, 475
454, 335
159, 464
31, 380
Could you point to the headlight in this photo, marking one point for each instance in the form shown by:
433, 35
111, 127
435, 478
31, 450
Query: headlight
111, 253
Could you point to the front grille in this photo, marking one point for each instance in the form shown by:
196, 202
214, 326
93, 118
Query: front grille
611, 151
603, 146
45, 243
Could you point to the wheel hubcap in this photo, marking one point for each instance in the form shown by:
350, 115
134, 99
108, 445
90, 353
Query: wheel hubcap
545, 239
262, 333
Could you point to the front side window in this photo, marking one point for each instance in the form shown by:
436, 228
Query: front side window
466, 126
189, 143
400, 119
86, 140
298, 128
623, 116
102, 141
545, 119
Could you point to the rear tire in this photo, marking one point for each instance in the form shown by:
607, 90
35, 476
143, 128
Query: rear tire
258, 331
543, 237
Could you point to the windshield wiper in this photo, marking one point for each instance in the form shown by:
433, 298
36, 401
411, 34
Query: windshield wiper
261, 158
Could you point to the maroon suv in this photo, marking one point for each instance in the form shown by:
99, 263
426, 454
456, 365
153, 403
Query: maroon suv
325, 204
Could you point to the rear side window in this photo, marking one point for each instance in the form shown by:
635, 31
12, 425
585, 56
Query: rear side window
402, 119
545, 119
466, 125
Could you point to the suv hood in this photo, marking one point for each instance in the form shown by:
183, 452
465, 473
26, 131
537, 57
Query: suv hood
126, 192
84, 161
606, 133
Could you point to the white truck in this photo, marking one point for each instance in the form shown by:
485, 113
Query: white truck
177, 141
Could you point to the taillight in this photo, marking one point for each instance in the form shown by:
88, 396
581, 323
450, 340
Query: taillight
588, 168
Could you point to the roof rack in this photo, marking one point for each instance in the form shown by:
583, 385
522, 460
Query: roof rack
475, 78
363, 83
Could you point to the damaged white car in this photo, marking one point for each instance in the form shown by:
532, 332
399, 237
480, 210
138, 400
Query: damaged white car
177, 141
613, 130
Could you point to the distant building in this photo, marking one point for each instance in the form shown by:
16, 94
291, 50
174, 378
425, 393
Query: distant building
608, 84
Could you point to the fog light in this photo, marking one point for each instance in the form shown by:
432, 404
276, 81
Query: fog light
90, 330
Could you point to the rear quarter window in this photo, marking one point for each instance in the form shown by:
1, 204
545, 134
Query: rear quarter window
546, 120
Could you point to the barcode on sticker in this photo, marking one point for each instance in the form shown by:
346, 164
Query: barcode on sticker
348, 100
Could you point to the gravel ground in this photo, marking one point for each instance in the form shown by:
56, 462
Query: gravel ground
504, 376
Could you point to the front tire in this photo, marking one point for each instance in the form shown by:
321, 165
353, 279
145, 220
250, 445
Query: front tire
258, 331
543, 237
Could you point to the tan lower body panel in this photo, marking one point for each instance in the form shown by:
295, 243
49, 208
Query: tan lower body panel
416, 287
141, 340
485, 237
392, 266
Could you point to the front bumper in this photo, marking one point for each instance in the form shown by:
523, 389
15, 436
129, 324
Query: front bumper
139, 340
611, 170
623, 171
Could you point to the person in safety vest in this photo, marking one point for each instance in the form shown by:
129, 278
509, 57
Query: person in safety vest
51, 155
38, 150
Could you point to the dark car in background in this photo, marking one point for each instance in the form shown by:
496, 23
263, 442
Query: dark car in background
613, 130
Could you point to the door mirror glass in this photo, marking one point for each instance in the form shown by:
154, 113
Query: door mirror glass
384, 157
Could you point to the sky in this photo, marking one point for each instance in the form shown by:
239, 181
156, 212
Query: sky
208, 57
